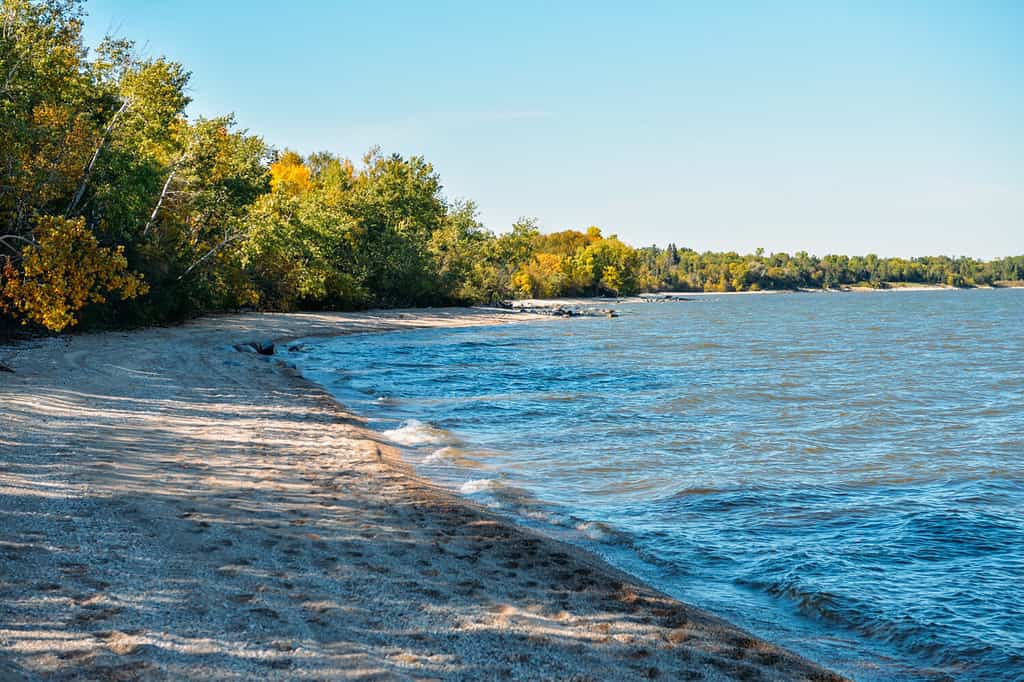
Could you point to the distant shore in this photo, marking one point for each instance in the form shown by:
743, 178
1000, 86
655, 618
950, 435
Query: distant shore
527, 303
174, 508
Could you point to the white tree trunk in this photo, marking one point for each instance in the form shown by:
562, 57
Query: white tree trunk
92, 162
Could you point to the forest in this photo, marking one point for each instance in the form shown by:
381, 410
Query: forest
117, 208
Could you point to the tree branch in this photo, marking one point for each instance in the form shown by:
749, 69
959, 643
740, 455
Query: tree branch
5, 239
163, 194
224, 242
92, 162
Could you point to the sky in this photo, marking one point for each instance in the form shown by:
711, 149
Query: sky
867, 127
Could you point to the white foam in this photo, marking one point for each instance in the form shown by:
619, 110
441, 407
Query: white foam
477, 485
547, 517
440, 455
415, 432
595, 531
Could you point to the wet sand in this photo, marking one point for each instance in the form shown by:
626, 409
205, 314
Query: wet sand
171, 508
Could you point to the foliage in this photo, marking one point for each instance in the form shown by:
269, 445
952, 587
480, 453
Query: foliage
687, 270
63, 271
289, 175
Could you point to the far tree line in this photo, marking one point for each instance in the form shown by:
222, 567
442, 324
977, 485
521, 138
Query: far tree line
116, 208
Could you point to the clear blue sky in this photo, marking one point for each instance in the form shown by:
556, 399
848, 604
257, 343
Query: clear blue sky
889, 127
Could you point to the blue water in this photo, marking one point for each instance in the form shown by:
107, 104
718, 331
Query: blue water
840, 473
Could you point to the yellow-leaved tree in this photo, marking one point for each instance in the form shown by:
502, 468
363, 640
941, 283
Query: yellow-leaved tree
611, 279
289, 174
64, 270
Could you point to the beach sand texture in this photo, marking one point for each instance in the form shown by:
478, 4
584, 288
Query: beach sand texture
173, 509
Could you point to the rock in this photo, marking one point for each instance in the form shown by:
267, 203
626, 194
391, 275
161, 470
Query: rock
261, 347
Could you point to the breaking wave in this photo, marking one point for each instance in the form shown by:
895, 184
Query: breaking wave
415, 432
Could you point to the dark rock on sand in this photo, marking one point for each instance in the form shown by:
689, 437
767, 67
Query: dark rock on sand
261, 347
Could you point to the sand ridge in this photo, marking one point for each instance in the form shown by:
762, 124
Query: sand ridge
173, 509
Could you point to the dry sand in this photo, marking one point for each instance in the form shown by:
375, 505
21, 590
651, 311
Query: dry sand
173, 509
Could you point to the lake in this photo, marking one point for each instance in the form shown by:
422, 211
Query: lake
840, 473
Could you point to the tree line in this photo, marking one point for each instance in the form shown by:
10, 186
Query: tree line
117, 208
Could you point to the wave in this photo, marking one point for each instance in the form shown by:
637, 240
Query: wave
602, 532
440, 455
523, 506
902, 630
415, 432
476, 486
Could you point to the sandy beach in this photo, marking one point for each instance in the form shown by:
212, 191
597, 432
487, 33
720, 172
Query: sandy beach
171, 508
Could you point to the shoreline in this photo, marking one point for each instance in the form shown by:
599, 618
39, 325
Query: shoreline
173, 508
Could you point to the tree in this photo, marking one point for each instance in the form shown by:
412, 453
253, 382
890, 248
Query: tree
458, 249
395, 205
62, 271
611, 280
290, 175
